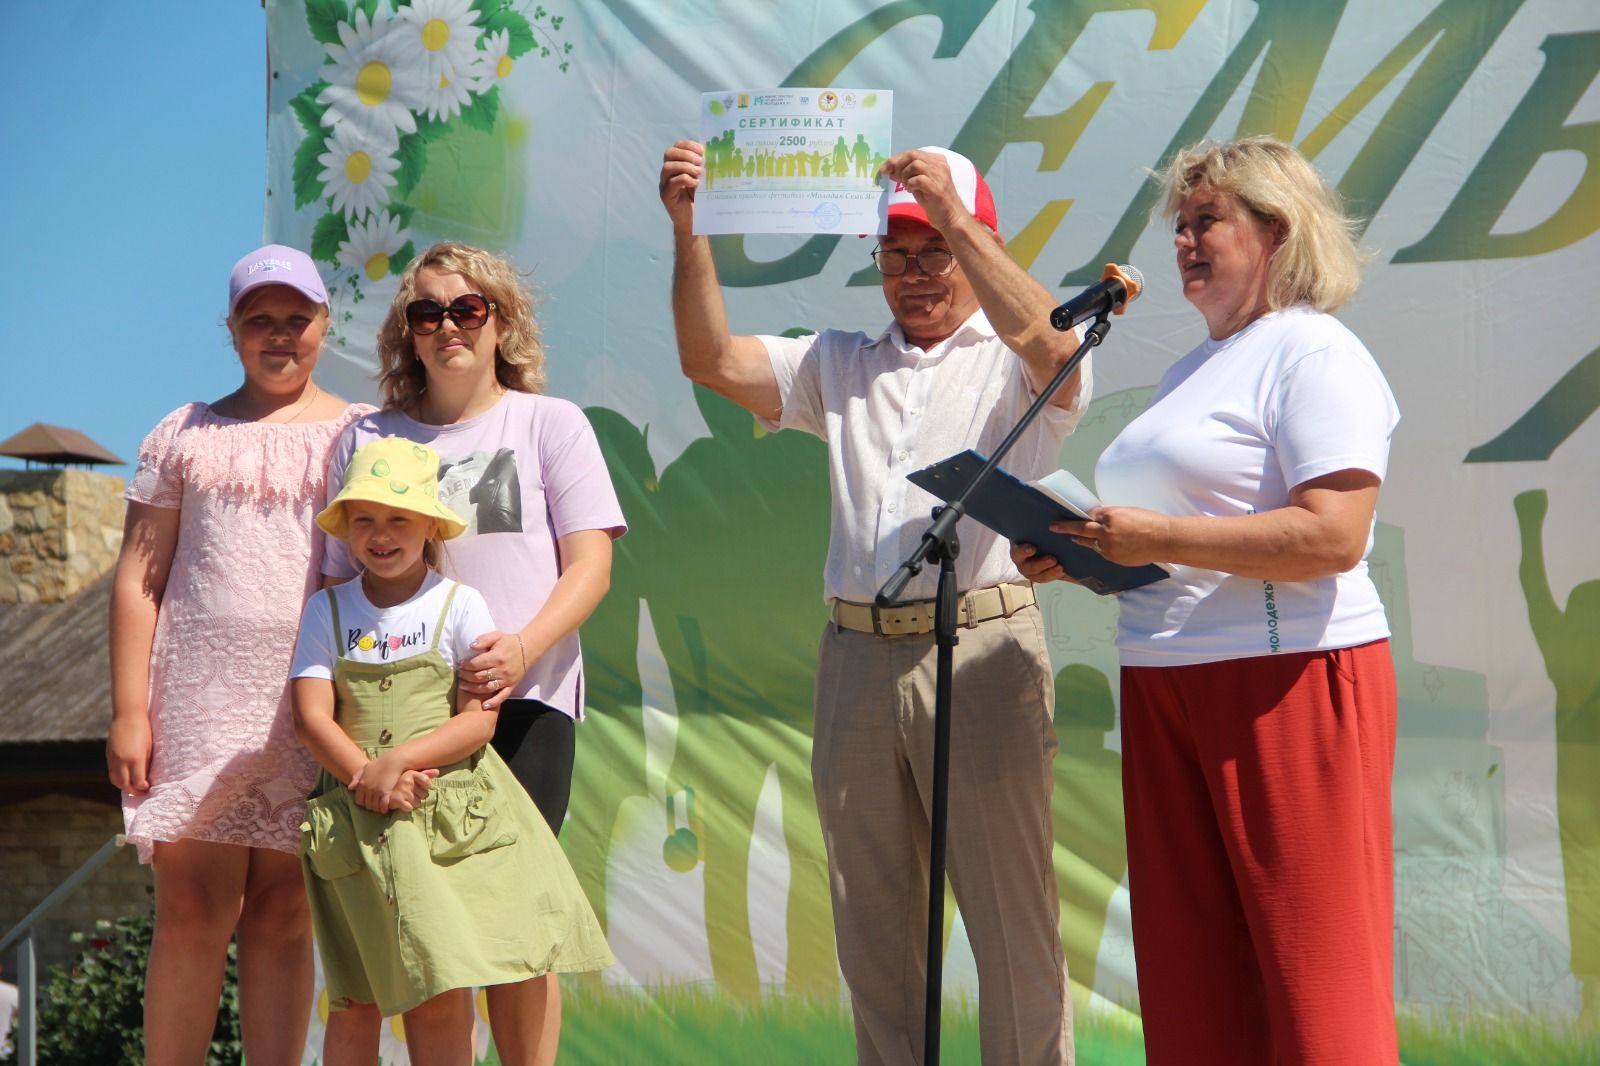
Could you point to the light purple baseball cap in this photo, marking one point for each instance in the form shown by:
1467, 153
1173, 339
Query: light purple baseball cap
276, 264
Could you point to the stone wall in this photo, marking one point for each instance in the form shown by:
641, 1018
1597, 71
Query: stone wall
60, 529
44, 840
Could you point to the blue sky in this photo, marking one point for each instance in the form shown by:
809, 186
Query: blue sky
134, 177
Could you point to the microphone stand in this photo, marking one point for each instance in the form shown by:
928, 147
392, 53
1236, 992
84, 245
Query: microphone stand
940, 544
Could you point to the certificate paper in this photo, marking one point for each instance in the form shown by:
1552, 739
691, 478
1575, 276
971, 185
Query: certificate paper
794, 161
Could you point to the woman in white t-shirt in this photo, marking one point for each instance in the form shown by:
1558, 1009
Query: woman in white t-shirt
1258, 696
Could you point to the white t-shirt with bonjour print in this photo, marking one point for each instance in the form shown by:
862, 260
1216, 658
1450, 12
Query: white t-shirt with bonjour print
1234, 425
371, 634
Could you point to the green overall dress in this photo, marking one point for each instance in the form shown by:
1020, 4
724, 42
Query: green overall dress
469, 889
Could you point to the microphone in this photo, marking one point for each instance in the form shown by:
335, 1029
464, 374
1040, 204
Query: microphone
1117, 288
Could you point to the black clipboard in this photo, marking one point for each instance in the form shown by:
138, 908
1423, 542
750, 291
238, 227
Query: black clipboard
1020, 512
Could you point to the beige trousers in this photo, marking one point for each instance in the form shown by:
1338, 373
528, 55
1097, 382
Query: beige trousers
872, 769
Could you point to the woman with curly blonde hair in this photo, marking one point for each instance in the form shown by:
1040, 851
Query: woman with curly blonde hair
462, 369
519, 355
1258, 695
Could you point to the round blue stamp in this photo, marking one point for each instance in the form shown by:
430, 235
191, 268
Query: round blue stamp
826, 215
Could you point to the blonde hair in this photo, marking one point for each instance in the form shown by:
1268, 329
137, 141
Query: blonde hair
433, 553
519, 356
1318, 261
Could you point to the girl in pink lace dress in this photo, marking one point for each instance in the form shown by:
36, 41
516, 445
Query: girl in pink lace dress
218, 556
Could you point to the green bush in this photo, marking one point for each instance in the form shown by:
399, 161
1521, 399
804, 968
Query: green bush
93, 1013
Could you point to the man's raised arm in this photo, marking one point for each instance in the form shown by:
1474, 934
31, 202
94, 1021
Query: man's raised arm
736, 367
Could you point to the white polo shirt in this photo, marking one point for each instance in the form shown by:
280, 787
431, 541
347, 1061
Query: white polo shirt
887, 409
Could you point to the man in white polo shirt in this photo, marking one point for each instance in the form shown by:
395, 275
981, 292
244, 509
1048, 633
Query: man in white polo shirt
969, 347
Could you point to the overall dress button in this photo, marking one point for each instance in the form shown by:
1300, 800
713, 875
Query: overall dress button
386, 684
385, 736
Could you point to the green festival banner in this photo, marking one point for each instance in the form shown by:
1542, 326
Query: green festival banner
1465, 132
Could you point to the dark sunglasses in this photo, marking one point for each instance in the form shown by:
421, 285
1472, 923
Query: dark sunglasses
468, 311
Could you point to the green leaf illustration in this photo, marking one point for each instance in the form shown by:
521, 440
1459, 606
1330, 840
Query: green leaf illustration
323, 18
716, 108
308, 187
431, 129
487, 7
413, 157
330, 232
1553, 418
870, 100
403, 213
401, 259
306, 108
516, 27
481, 113
370, 7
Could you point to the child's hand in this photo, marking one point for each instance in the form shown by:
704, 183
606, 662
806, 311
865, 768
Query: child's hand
128, 753
493, 673
374, 783
411, 790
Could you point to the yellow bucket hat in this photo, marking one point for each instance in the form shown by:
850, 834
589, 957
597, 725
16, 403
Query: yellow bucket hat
395, 472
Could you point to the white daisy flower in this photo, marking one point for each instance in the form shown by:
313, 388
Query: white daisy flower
439, 35
494, 60
371, 84
372, 241
357, 173
446, 99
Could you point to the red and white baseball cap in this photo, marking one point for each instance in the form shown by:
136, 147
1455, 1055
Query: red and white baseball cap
970, 186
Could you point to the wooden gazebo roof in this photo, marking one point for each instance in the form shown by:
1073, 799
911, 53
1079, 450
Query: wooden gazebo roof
55, 445
55, 697
55, 678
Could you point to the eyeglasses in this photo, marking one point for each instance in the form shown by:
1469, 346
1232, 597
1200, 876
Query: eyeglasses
468, 311
934, 262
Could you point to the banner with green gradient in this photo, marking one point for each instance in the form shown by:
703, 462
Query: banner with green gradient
1466, 132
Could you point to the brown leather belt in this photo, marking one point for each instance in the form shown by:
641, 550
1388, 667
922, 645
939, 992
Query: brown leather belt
909, 619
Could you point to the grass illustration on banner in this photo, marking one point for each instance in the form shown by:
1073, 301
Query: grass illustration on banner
397, 78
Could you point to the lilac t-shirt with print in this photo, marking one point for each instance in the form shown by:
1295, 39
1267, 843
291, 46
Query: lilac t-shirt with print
522, 474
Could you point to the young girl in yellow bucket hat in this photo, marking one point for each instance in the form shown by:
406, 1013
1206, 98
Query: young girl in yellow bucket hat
428, 868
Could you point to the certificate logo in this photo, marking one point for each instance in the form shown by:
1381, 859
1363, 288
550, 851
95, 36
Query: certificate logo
828, 101
744, 99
